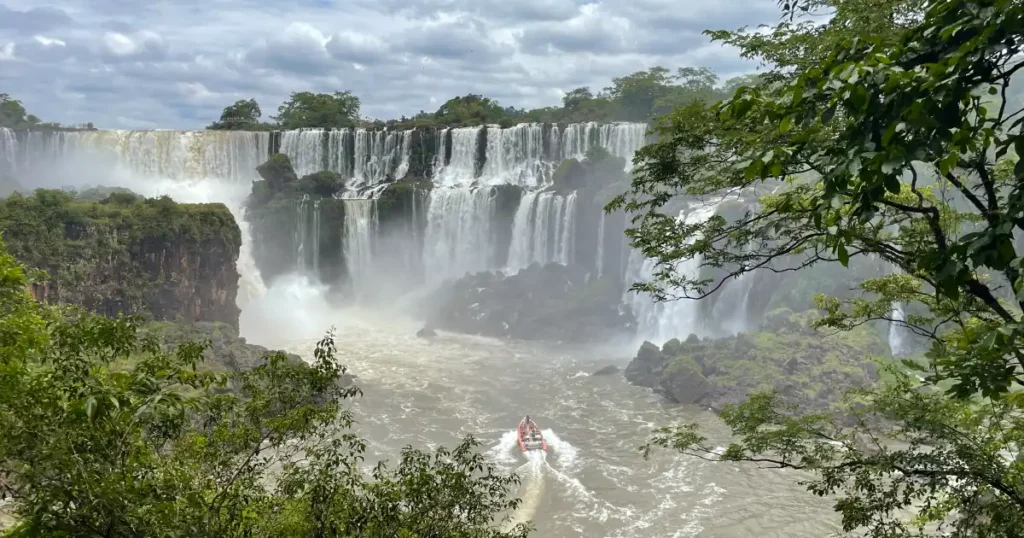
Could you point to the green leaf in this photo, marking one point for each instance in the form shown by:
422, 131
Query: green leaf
844, 257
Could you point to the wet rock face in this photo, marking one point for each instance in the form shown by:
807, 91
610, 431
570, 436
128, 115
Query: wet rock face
552, 303
607, 370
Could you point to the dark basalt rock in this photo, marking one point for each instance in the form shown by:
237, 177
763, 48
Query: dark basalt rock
426, 332
607, 370
552, 303
807, 368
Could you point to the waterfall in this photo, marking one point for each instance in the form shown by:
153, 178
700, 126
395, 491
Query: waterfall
567, 224
516, 155
577, 139
8, 151
360, 223
178, 155
543, 230
377, 153
338, 159
458, 238
461, 169
315, 238
898, 344
662, 321
623, 140
305, 148
599, 262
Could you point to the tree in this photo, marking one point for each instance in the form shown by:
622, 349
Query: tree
12, 113
637, 94
323, 110
573, 98
243, 114
883, 133
110, 434
470, 109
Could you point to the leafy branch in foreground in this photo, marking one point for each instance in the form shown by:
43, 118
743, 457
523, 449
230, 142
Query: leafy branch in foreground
893, 146
912, 452
108, 434
884, 134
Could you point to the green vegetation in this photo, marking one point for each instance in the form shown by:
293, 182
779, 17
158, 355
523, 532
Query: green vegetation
882, 133
636, 97
807, 367
127, 254
108, 434
14, 116
279, 178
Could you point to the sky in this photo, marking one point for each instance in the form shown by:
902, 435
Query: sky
134, 64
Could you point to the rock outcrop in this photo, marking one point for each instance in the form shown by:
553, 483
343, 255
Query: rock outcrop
553, 303
607, 370
808, 368
128, 255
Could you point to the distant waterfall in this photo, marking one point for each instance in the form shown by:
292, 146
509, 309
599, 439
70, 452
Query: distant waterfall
898, 341
178, 155
8, 150
307, 236
662, 321
599, 261
378, 155
360, 223
458, 238
543, 230
516, 155
339, 160
461, 169
305, 148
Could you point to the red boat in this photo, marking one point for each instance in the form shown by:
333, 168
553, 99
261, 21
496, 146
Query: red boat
530, 437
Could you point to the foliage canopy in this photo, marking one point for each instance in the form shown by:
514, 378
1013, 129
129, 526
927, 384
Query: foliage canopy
884, 133
107, 434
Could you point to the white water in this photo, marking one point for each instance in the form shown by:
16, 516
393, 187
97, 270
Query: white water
307, 236
543, 230
458, 239
663, 321
599, 262
461, 168
8, 149
898, 344
516, 155
357, 240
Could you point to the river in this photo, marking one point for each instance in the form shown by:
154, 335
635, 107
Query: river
593, 481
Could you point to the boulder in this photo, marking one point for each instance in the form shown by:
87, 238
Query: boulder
552, 302
607, 370
426, 332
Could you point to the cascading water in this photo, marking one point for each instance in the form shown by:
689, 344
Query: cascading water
599, 261
458, 237
516, 155
357, 240
662, 321
378, 155
178, 155
8, 148
305, 148
898, 341
543, 230
461, 169
623, 139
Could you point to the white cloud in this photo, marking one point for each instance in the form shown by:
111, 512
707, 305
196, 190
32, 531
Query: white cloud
175, 64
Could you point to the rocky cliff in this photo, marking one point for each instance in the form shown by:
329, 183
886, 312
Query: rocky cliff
126, 254
553, 303
809, 368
